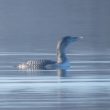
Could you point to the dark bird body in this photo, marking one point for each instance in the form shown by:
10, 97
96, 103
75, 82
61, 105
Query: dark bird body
61, 62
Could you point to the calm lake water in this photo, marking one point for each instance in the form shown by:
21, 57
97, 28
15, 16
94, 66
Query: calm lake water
85, 86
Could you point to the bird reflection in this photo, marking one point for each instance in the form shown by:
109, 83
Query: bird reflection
61, 72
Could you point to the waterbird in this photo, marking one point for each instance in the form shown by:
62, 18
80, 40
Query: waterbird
61, 62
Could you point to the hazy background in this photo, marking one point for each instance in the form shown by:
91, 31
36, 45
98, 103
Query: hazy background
30, 25
34, 27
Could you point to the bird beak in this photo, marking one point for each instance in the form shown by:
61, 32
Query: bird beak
80, 37
77, 38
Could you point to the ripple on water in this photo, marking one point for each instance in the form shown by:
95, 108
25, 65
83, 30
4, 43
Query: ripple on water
85, 86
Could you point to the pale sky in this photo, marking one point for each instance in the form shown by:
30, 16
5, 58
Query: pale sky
28, 25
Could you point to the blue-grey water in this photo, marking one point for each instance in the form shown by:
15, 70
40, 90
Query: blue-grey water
30, 29
85, 86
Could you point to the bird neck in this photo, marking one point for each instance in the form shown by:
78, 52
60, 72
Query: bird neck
61, 53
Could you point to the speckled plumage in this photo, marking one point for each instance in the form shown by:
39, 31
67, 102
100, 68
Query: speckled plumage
45, 64
40, 63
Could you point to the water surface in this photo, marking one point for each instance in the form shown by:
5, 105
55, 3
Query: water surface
85, 86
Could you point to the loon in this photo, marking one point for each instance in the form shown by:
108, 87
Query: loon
62, 61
